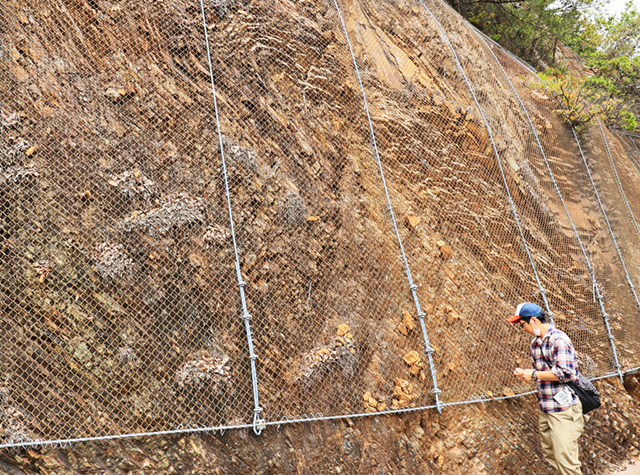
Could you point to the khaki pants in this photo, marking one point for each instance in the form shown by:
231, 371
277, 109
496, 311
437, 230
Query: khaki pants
559, 433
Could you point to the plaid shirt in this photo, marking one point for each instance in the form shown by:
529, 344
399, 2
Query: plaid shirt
556, 348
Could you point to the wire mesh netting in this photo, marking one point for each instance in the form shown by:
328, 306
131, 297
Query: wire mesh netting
572, 213
447, 182
230, 213
114, 226
300, 155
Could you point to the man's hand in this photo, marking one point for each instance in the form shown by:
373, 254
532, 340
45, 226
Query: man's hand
523, 374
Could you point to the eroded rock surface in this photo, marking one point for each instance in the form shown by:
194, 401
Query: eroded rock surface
120, 304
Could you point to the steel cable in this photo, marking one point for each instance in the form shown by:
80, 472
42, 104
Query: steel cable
258, 422
412, 285
40, 443
495, 149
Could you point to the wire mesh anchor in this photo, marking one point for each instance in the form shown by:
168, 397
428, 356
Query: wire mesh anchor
439, 404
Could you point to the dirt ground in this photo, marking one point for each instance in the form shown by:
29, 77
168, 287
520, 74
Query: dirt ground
632, 469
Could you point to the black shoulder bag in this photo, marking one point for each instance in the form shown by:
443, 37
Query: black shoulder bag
586, 392
584, 389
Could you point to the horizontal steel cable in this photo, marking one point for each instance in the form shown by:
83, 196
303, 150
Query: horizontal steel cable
179, 431
286, 420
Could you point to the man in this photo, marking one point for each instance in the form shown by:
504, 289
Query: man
560, 419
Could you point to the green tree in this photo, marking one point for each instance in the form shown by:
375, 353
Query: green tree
586, 98
531, 29
607, 82
620, 34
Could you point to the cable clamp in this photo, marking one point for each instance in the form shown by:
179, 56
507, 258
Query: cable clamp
258, 424
421, 315
413, 286
247, 317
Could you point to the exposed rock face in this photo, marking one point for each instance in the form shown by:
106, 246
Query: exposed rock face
120, 304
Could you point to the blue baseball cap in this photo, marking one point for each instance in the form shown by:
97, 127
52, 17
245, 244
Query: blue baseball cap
526, 310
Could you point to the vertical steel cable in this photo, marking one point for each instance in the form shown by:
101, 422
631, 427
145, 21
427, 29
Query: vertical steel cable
258, 423
495, 149
412, 285
599, 296
584, 161
604, 213
636, 166
615, 172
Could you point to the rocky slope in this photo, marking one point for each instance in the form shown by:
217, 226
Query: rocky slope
120, 297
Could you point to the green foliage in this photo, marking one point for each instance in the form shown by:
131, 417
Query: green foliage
607, 85
620, 35
531, 29
586, 98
